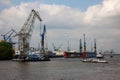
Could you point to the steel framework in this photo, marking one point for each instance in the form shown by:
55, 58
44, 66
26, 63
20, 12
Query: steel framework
25, 33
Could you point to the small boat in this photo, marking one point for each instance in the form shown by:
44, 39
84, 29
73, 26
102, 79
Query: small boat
102, 61
94, 60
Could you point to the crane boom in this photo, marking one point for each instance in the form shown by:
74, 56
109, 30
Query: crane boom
8, 36
25, 33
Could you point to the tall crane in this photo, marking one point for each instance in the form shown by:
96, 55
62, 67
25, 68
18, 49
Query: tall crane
56, 49
7, 37
80, 49
42, 40
84, 54
25, 33
95, 51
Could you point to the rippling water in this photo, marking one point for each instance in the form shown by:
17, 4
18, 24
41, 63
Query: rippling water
60, 69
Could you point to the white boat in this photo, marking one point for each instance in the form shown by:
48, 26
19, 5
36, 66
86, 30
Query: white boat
99, 55
94, 60
102, 61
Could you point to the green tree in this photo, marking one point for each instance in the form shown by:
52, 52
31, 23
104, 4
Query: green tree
6, 51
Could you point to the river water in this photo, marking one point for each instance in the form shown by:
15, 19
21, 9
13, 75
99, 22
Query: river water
60, 69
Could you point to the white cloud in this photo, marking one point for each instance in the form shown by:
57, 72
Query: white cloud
110, 8
65, 23
106, 10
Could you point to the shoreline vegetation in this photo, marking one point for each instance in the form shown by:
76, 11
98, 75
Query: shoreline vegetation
6, 51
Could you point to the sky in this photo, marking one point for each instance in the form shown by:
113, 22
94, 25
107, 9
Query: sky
67, 21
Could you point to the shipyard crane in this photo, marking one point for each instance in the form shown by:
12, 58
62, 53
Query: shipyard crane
56, 49
7, 37
25, 33
42, 51
80, 49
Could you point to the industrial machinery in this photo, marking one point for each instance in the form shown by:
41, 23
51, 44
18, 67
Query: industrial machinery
25, 33
42, 50
8, 36
56, 49
80, 49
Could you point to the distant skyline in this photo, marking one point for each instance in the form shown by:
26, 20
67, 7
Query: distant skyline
67, 20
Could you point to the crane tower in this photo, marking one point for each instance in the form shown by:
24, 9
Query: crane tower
25, 33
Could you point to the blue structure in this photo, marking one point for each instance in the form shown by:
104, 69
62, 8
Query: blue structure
91, 55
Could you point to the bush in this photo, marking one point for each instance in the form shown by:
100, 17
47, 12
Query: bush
6, 51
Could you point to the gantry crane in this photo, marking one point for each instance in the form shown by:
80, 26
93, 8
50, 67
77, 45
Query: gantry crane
25, 33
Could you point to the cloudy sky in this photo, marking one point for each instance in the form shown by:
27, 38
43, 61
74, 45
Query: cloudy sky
67, 20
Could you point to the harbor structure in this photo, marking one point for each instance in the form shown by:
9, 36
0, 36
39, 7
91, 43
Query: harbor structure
84, 53
80, 48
